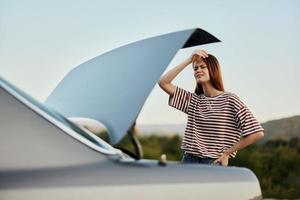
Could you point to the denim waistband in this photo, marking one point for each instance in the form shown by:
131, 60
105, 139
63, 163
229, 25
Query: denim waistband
190, 158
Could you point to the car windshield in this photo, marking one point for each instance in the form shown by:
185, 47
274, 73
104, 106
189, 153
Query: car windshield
57, 116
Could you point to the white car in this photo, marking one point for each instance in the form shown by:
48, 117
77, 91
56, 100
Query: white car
44, 155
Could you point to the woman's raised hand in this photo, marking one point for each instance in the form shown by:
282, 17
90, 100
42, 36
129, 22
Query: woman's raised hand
198, 53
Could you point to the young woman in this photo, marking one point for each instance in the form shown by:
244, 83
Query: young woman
216, 118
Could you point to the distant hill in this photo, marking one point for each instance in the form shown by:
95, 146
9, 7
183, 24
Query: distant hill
159, 129
285, 128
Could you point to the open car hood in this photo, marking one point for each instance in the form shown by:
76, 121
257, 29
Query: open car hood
112, 87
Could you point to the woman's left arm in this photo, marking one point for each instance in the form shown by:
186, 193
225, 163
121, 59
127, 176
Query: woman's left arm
250, 139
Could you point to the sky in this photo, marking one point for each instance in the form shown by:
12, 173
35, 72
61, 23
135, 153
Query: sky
41, 41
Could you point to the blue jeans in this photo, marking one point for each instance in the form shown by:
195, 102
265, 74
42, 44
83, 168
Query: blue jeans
190, 158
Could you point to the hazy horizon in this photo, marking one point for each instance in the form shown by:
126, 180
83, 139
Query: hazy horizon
184, 123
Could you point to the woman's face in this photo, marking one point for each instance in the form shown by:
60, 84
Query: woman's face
201, 72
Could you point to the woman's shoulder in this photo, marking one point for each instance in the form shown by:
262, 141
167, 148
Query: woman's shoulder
232, 94
235, 99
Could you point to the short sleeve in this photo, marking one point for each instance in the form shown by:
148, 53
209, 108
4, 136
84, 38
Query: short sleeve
180, 99
245, 119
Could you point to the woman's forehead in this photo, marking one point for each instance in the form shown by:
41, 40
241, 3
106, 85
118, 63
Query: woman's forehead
199, 62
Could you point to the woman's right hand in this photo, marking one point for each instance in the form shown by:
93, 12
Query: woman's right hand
198, 53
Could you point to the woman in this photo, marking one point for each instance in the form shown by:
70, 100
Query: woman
216, 118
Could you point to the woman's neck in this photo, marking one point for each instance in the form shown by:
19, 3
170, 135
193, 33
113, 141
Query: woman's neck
209, 90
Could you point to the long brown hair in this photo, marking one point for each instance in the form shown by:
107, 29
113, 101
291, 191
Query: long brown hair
214, 73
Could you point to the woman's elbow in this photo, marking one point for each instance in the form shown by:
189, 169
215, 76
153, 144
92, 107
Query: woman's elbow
260, 135
161, 83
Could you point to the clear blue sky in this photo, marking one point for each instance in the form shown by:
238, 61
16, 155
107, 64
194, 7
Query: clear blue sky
40, 41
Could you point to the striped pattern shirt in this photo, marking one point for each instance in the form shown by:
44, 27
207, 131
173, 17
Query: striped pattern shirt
214, 124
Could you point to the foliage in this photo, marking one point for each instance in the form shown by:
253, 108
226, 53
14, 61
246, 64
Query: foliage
154, 146
276, 164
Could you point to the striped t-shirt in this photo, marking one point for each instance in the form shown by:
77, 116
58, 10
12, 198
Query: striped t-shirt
214, 124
